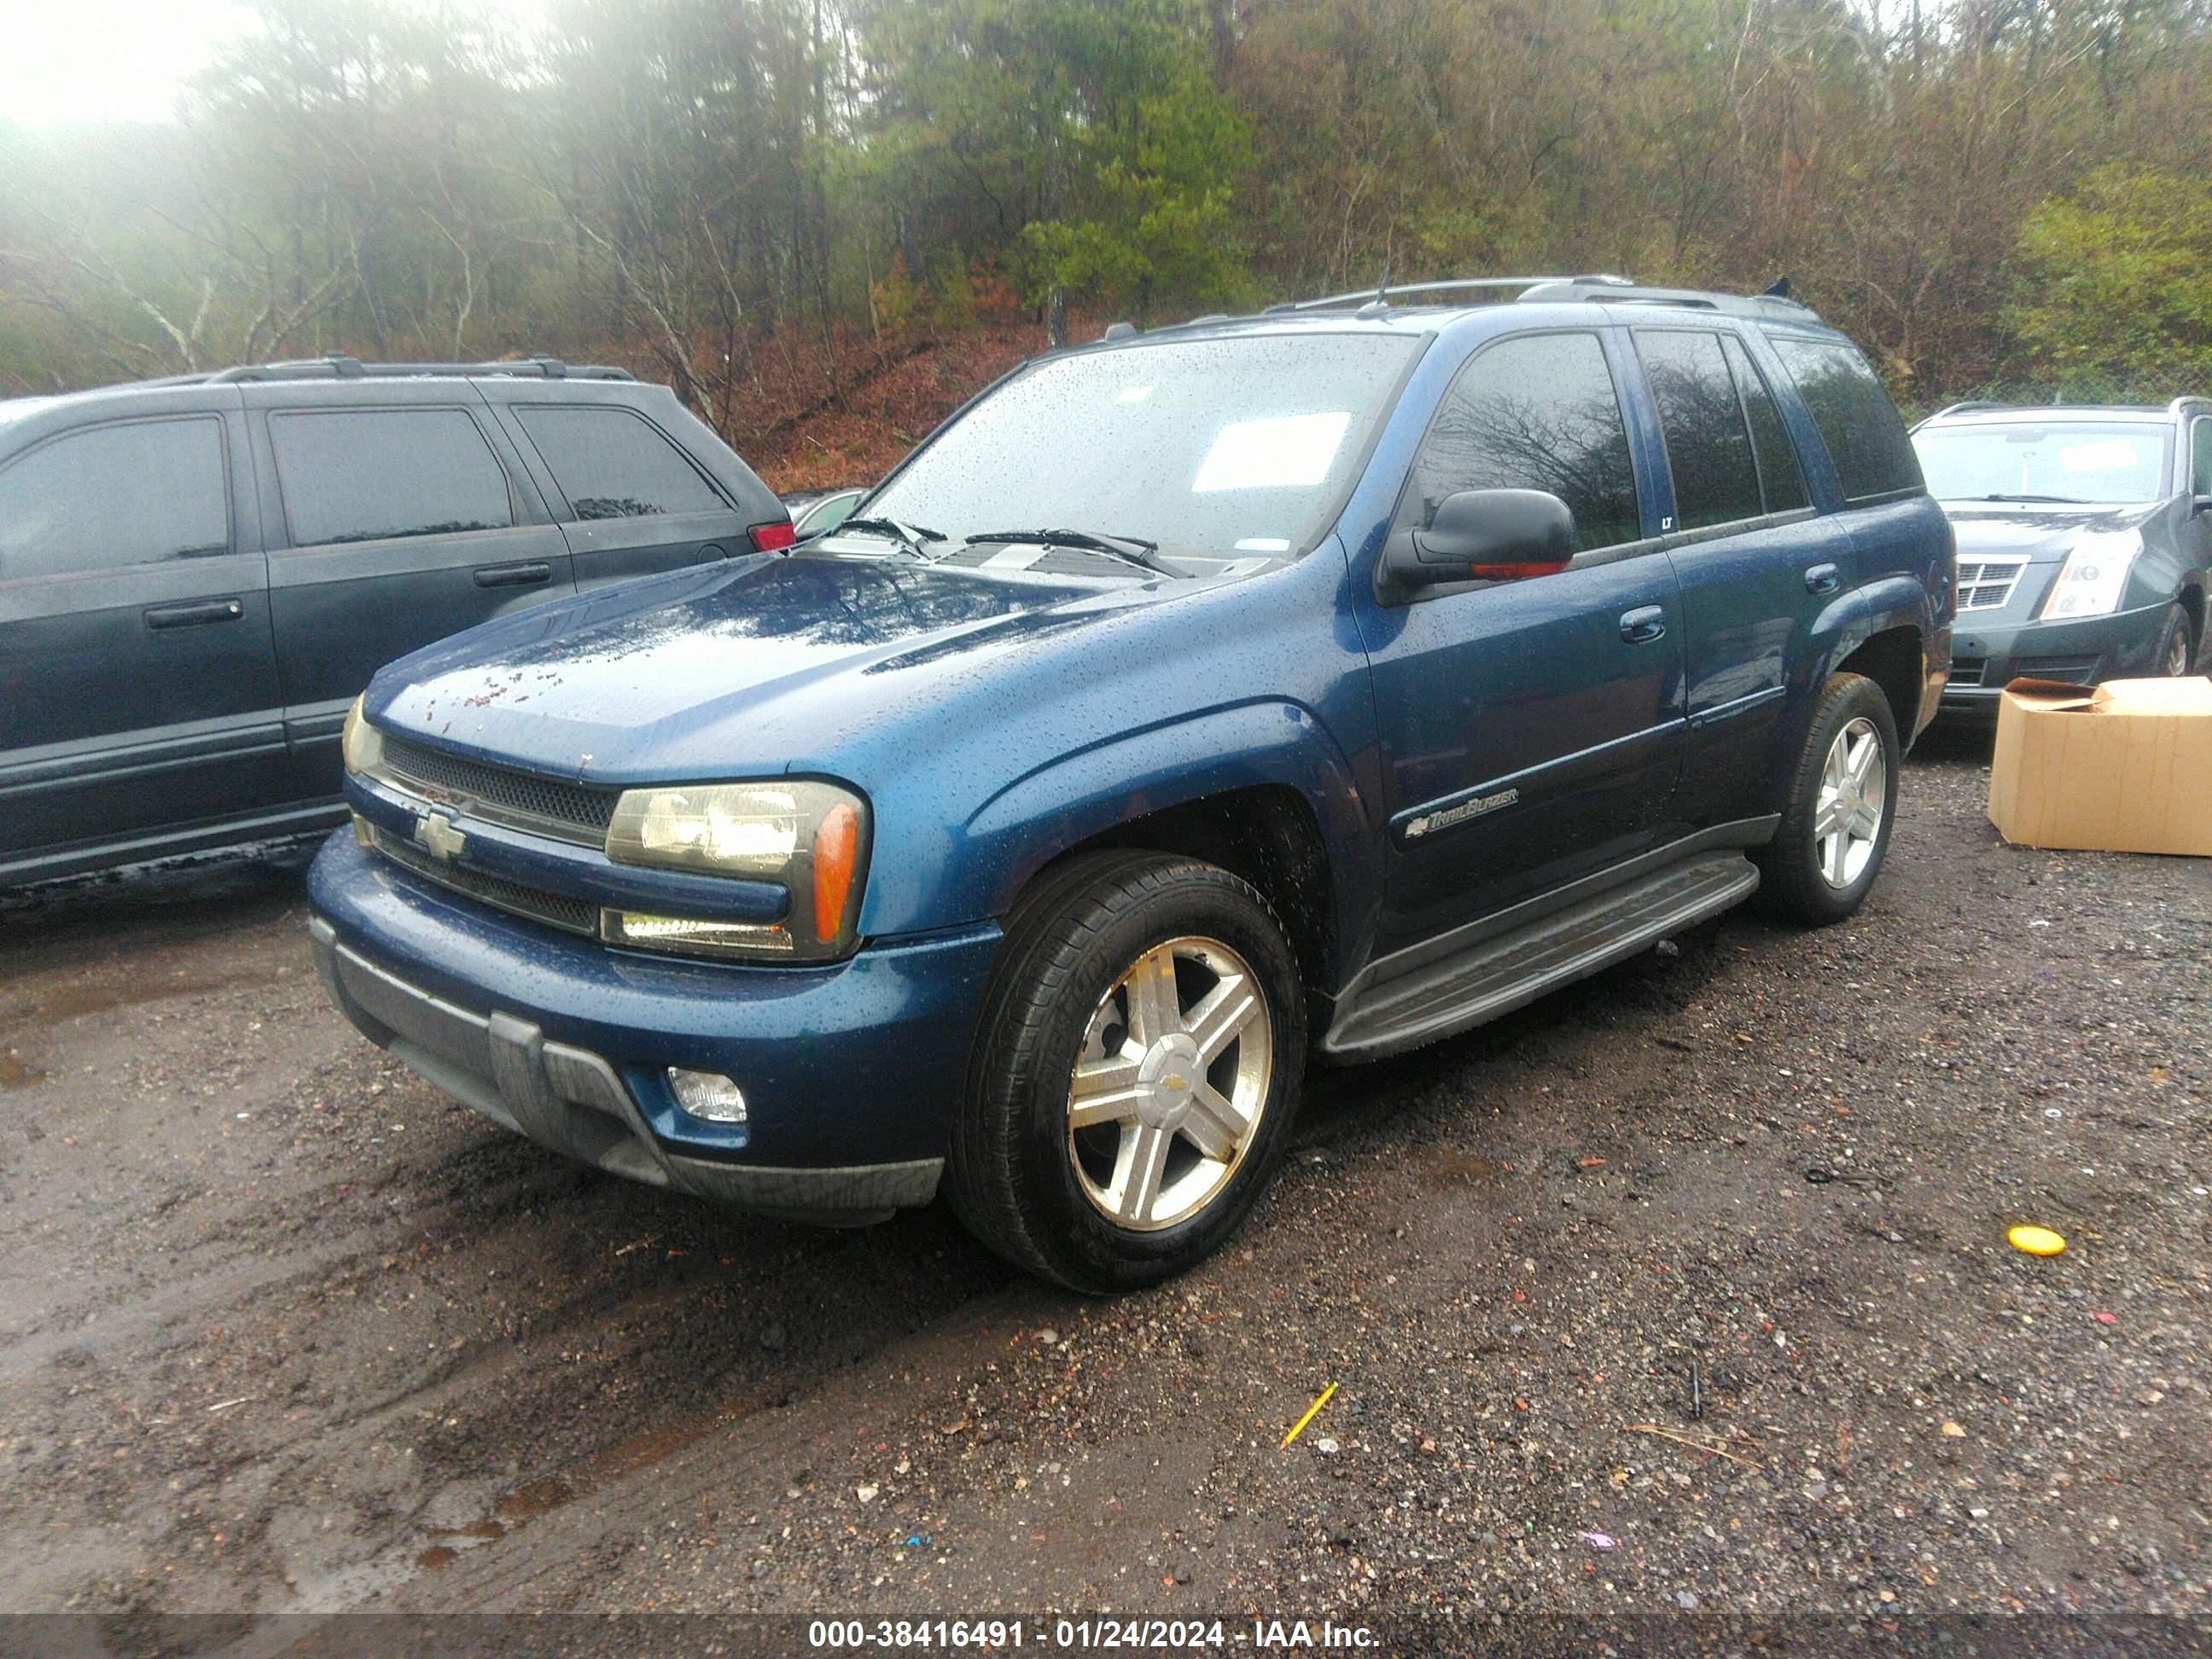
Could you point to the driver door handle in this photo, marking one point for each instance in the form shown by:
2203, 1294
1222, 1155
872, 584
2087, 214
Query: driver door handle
1823, 579
1644, 625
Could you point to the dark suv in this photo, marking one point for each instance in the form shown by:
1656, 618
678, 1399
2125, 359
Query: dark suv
198, 575
1327, 680
2085, 540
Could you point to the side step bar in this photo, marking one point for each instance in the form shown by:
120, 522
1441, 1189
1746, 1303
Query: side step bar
1508, 970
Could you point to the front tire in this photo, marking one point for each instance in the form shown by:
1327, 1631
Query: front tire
2175, 652
1836, 827
1135, 1075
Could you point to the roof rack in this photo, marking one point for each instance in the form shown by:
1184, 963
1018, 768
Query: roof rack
1615, 290
1382, 296
1972, 406
339, 367
2183, 402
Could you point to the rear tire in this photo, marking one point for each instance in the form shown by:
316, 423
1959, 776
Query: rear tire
1136, 1071
2175, 653
1836, 827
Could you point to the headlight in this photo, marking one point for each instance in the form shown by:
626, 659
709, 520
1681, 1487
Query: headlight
2096, 571
808, 837
362, 743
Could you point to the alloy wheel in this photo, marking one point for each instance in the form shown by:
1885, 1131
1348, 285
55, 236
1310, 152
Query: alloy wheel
1854, 793
1166, 1095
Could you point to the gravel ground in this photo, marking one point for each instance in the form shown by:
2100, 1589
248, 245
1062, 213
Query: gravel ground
286, 1330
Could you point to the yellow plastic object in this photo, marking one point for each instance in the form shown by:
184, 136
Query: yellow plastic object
2035, 1240
1312, 1411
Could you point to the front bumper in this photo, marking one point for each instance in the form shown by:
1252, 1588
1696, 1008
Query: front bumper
1986, 657
850, 1071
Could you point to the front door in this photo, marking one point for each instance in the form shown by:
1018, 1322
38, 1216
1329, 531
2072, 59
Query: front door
137, 684
1531, 731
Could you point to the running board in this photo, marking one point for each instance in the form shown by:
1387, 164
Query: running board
1509, 971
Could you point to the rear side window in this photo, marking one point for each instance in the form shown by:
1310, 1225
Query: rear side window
1781, 480
1537, 412
612, 464
134, 493
362, 475
1707, 445
1856, 420
2200, 458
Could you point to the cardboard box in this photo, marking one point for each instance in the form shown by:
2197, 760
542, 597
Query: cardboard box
2125, 767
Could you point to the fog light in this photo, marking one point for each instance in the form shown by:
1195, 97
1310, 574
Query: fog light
694, 937
708, 1094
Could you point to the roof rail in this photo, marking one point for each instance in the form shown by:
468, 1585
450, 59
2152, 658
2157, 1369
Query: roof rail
1613, 290
1968, 407
339, 367
1383, 295
2186, 398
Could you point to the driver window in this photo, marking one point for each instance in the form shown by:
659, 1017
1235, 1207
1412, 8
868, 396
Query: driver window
1535, 412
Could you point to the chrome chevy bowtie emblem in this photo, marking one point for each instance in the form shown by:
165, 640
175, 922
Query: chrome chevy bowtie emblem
436, 833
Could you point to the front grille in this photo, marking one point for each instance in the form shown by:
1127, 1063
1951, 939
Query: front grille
1986, 583
2075, 671
570, 915
566, 811
1968, 670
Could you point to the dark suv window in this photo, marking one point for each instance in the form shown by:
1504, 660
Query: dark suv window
1857, 422
361, 475
129, 494
611, 464
1707, 445
1781, 480
1538, 412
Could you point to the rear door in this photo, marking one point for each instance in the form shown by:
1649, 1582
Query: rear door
396, 514
138, 689
1755, 564
632, 500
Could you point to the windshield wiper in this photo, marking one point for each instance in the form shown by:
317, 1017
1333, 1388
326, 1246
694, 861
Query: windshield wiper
1130, 550
2058, 500
908, 536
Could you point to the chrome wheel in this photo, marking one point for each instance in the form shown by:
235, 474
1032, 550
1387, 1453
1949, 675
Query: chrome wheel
1167, 1093
1854, 793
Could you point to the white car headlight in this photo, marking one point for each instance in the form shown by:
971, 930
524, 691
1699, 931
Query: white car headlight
361, 743
2095, 573
808, 837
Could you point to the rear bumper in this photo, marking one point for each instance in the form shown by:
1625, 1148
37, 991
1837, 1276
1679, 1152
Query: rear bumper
850, 1071
1985, 657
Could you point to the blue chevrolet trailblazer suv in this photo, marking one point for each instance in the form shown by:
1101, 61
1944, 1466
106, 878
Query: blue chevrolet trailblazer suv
1322, 682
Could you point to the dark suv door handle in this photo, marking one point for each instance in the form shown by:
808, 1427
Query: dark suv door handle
191, 616
1823, 579
1644, 624
513, 576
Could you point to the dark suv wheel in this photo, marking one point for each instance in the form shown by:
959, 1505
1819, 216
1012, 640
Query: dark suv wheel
1835, 828
1136, 1072
2175, 653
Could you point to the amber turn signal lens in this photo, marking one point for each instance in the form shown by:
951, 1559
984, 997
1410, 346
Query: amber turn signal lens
836, 846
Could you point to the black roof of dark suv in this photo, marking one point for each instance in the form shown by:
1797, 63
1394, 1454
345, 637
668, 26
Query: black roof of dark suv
199, 574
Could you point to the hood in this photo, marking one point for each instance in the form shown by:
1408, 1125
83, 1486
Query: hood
2045, 533
726, 669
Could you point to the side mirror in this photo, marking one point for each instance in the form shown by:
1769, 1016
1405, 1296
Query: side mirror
2199, 506
1487, 534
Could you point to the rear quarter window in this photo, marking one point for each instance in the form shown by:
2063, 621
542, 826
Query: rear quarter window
1861, 427
612, 464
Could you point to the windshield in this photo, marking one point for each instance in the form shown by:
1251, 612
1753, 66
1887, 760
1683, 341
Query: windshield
1215, 449
2052, 460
